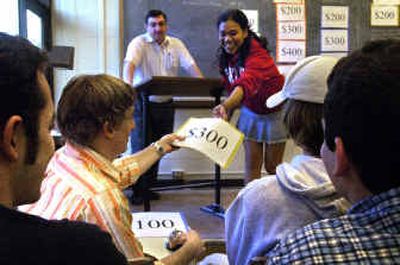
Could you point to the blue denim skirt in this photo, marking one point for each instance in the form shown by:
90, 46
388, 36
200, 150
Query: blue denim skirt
266, 128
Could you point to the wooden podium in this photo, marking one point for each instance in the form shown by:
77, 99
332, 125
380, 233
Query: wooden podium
181, 87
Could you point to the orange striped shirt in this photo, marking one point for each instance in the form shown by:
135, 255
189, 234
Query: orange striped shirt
82, 185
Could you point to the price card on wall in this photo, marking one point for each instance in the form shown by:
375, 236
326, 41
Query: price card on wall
386, 2
384, 15
334, 40
291, 30
288, 1
287, 12
252, 16
335, 17
213, 137
290, 51
157, 224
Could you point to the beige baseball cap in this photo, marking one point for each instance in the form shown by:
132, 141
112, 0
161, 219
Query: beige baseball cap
306, 81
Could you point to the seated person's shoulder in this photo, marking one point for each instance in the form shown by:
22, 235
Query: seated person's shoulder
258, 187
89, 242
253, 197
50, 242
312, 236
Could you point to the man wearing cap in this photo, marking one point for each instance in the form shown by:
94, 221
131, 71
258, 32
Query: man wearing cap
269, 208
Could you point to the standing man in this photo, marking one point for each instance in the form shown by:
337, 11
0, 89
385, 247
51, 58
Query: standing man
361, 153
26, 118
154, 54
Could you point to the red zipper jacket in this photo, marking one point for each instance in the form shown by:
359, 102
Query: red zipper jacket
260, 78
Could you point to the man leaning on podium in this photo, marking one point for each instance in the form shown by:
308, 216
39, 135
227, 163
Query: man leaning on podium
154, 54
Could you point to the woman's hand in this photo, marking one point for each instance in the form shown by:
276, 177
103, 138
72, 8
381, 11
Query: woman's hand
220, 112
226, 109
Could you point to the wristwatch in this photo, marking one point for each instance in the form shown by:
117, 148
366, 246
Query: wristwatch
160, 150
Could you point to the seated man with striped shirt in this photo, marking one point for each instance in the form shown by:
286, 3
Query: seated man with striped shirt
84, 180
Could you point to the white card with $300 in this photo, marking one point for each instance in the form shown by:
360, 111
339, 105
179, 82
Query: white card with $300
214, 137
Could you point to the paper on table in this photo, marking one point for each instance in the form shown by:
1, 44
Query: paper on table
214, 137
157, 224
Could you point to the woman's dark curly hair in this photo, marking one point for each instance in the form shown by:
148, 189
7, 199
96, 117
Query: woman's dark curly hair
239, 17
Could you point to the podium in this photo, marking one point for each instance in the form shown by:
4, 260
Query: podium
181, 87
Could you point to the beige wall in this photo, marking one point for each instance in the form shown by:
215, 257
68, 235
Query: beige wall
92, 27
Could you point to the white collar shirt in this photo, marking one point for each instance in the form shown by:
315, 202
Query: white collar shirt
153, 59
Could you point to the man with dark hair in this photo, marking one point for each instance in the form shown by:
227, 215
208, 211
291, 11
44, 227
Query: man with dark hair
154, 54
26, 118
360, 152
156, 13
84, 179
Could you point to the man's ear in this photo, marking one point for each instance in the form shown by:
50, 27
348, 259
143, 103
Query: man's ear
12, 133
108, 130
342, 165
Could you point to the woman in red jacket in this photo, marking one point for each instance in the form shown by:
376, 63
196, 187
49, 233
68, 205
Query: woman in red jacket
250, 77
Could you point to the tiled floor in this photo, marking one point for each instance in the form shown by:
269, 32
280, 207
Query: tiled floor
188, 202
